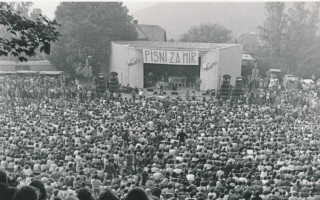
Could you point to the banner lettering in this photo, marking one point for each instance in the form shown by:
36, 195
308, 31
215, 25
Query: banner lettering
171, 57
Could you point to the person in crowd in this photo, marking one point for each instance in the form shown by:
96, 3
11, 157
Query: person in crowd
40, 186
137, 193
84, 194
6, 191
63, 147
107, 195
156, 194
27, 193
96, 183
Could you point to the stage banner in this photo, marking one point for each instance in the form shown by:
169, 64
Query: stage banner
171, 57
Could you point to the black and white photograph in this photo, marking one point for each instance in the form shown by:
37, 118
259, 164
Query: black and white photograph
159, 100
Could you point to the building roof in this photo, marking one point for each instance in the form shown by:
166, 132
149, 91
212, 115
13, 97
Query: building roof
141, 34
27, 72
275, 70
150, 32
248, 57
248, 36
31, 63
175, 45
33, 72
307, 81
50, 72
250, 41
7, 72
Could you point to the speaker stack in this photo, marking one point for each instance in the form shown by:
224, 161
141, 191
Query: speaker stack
225, 89
238, 90
174, 87
101, 85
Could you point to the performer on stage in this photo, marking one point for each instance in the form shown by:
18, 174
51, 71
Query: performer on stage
151, 78
170, 79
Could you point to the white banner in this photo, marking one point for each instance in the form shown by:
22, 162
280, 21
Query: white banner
171, 57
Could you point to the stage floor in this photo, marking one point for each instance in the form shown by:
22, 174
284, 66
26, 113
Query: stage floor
181, 93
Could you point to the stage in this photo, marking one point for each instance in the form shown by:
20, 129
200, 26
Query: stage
180, 91
134, 61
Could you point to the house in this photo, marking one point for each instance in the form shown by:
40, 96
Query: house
43, 65
250, 41
248, 63
150, 32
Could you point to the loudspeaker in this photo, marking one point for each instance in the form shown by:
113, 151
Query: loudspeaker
150, 90
174, 93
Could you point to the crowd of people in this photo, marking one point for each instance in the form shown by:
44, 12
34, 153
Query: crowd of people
59, 148
28, 86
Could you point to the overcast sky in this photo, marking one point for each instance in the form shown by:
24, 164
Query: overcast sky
48, 7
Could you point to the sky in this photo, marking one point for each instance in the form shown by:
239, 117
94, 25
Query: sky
48, 7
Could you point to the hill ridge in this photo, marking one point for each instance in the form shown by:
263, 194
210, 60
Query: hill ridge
177, 17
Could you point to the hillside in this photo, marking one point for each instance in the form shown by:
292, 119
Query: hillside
177, 18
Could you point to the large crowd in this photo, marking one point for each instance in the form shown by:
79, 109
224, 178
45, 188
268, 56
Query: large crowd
21, 86
56, 147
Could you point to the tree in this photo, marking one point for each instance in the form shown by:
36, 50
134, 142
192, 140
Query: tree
288, 35
311, 60
24, 9
87, 30
26, 35
301, 35
207, 33
274, 29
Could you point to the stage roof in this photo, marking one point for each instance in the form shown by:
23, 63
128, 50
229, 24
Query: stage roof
51, 72
7, 72
248, 57
31, 63
175, 45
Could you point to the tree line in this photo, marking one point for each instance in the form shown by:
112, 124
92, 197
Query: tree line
290, 38
289, 34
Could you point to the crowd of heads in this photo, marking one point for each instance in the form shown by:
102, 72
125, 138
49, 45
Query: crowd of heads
34, 86
61, 148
